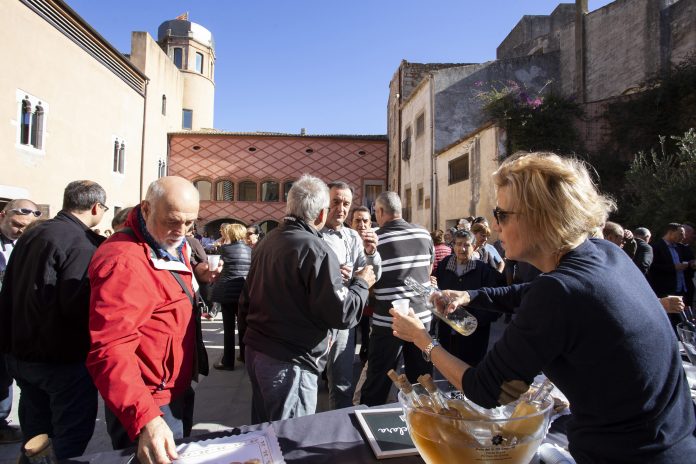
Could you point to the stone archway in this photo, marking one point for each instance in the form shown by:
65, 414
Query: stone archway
213, 227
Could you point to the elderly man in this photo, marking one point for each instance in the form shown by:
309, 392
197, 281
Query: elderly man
14, 218
407, 251
293, 299
44, 307
146, 344
354, 250
644, 254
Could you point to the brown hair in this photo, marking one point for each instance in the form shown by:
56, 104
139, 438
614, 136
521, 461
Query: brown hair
438, 236
480, 227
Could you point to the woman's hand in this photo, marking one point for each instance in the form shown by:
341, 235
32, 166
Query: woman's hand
448, 300
410, 328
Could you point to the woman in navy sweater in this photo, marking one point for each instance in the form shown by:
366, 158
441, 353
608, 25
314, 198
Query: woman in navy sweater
590, 322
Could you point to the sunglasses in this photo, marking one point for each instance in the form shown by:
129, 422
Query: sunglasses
26, 211
501, 215
249, 234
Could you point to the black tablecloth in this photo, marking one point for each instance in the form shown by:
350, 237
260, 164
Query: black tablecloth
332, 437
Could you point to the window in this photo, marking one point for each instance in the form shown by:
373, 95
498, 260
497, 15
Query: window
204, 189
420, 125
164, 105
119, 155
421, 196
187, 119
224, 190
161, 168
199, 62
270, 191
406, 145
458, 169
406, 213
178, 58
31, 115
286, 188
247, 191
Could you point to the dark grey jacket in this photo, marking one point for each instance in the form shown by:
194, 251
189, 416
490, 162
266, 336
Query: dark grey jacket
294, 296
237, 261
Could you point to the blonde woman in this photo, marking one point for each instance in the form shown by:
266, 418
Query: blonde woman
590, 322
236, 257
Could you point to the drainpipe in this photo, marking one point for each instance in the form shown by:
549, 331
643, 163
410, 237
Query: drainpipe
142, 142
433, 160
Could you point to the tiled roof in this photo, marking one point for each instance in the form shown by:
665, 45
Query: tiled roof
281, 134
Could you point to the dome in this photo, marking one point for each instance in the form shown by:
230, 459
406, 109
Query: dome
183, 28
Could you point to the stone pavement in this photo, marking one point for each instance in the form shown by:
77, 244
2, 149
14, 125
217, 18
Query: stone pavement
223, 399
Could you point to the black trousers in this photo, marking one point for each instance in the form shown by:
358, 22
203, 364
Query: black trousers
229, 314
178, 415
385, 350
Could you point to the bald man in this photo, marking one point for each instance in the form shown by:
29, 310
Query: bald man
14, 218
146, 344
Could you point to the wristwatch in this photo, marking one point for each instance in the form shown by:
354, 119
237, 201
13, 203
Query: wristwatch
429, 349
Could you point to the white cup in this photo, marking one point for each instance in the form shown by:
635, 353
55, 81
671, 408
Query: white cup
213, 262
402, 306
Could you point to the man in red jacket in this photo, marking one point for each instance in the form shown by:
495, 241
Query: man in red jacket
145, 346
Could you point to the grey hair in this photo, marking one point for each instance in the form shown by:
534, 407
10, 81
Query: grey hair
307, 197
641, 232
81, 195
463, 233
390, 202
340, 185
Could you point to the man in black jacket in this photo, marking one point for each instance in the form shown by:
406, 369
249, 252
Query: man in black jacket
644, 253
44, 306
293, 296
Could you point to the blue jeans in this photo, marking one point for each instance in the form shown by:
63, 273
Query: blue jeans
178, 415
5, 393
57, 399
339, 370
279, 389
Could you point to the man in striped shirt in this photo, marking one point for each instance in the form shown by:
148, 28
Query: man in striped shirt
406, 250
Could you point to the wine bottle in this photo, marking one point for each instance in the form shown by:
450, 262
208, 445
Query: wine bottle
406, 388
461, 320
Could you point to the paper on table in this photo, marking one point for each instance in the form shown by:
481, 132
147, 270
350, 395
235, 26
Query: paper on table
259, 447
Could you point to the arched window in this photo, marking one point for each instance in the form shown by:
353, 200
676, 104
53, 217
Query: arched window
122, 157
164, 105
247, 191
286, 188
269, 191
204, 188
224, 191
25, 122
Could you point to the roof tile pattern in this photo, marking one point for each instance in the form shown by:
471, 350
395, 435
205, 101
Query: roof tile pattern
216, 157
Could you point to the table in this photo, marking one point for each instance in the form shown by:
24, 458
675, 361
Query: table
332, 437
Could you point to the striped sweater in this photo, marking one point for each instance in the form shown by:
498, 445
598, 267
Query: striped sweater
406, 250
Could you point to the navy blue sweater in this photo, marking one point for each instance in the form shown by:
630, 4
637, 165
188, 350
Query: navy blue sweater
597, 330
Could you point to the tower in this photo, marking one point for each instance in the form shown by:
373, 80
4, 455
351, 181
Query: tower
192, 49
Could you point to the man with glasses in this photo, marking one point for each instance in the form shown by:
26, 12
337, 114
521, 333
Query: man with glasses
14, 218
44, 307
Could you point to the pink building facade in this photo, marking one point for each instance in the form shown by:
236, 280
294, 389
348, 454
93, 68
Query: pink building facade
244, 177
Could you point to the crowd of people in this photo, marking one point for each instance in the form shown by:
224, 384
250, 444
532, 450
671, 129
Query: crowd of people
585, 301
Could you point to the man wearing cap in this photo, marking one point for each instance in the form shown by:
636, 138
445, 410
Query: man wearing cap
44, 306
14, 218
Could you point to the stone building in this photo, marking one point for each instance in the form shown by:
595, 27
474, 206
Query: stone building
245, 177
442, 149
77, 108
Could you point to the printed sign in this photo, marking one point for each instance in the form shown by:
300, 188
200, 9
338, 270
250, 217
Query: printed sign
387, 432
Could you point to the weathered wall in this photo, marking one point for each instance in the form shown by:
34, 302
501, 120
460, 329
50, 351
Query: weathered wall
535, 34
475, 196
458, 105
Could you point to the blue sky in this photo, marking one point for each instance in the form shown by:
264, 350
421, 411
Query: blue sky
323, 65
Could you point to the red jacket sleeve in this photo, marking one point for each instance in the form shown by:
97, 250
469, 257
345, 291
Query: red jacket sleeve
119, 305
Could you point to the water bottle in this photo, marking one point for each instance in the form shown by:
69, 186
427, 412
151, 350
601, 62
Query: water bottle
461, 320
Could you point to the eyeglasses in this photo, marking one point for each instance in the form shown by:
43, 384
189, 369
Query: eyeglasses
103, 206
26, 211
249, 234
501, 216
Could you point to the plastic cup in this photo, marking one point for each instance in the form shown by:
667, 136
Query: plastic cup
402, 306
213, 262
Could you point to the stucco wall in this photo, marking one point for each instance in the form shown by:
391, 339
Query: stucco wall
81, 122
475, 196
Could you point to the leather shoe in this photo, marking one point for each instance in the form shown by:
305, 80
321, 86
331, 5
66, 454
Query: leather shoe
10, 434
222, 367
